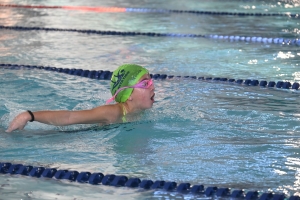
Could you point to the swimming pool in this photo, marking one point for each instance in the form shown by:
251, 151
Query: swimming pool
201, 132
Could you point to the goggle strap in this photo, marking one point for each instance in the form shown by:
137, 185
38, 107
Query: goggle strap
117, 92
123, 88
110, 100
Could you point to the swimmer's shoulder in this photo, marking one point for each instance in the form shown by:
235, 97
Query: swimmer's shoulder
112, 112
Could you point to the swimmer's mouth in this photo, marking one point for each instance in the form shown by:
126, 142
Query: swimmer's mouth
152, 98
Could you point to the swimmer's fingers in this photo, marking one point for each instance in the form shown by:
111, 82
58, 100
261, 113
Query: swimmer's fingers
15, 126
19, 122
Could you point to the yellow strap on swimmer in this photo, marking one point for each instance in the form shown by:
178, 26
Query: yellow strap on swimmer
124, 113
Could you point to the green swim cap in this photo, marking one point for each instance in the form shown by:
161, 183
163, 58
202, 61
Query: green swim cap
125, 75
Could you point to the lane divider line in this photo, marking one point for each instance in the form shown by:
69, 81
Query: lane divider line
106, 75
150, 10
232, 38
97, 178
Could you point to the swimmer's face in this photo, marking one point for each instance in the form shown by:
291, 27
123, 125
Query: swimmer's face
143, 98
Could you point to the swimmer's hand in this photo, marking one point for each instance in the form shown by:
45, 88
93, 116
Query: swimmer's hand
19, 122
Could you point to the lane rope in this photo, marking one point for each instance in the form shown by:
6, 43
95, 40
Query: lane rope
255, 39
97, 178
106, 75
151, 10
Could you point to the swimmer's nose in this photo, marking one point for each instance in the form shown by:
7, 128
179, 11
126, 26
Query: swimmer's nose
152, 87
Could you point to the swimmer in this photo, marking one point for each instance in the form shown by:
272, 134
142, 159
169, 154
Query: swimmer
131, 87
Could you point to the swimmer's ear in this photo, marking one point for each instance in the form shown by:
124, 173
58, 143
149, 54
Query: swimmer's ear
129, 98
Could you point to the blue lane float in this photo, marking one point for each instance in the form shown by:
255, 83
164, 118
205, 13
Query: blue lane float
98, 178
252, 39
256, 39
199, 12
106, 75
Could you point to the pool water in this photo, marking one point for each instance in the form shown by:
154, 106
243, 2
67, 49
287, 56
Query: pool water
201, 132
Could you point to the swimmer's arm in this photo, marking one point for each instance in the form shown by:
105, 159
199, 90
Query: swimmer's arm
102, 114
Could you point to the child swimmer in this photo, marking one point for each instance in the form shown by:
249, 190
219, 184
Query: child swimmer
132, 88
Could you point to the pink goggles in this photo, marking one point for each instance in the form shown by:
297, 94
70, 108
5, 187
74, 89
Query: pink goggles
143, 84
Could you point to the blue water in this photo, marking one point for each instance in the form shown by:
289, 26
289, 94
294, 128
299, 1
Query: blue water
199, 132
